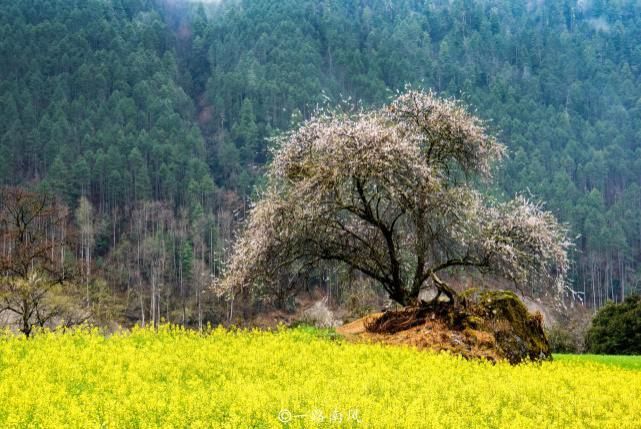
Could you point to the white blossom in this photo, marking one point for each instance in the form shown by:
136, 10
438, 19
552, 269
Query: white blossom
391, 193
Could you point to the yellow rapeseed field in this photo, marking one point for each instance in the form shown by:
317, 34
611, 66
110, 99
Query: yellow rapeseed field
295, 378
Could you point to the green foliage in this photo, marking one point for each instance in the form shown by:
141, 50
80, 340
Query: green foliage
559, 81
119, 100
616, 328
315, 332
91, 102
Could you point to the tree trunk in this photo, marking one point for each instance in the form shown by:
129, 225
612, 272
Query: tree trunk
444, 288
26, 326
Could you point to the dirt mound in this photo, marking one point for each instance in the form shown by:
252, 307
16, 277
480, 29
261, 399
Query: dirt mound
493, 325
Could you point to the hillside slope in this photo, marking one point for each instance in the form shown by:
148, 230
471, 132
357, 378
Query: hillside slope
129, 102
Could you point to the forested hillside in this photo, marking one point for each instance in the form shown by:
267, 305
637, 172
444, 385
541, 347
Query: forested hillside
157, 112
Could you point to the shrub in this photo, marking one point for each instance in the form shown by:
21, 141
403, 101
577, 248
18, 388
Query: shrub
562, 340
616, 328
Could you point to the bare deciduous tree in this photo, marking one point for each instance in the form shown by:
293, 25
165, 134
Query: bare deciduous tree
85, 218
392, 193
33, 265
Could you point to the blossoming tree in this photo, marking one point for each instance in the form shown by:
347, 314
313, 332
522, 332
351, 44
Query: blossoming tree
393, 193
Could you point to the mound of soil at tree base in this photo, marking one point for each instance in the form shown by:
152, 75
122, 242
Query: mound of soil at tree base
492, 325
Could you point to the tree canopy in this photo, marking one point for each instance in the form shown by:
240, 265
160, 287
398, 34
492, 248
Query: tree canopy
392, 193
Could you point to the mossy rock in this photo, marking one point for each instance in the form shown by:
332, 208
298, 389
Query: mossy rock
495, 325
519, 334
